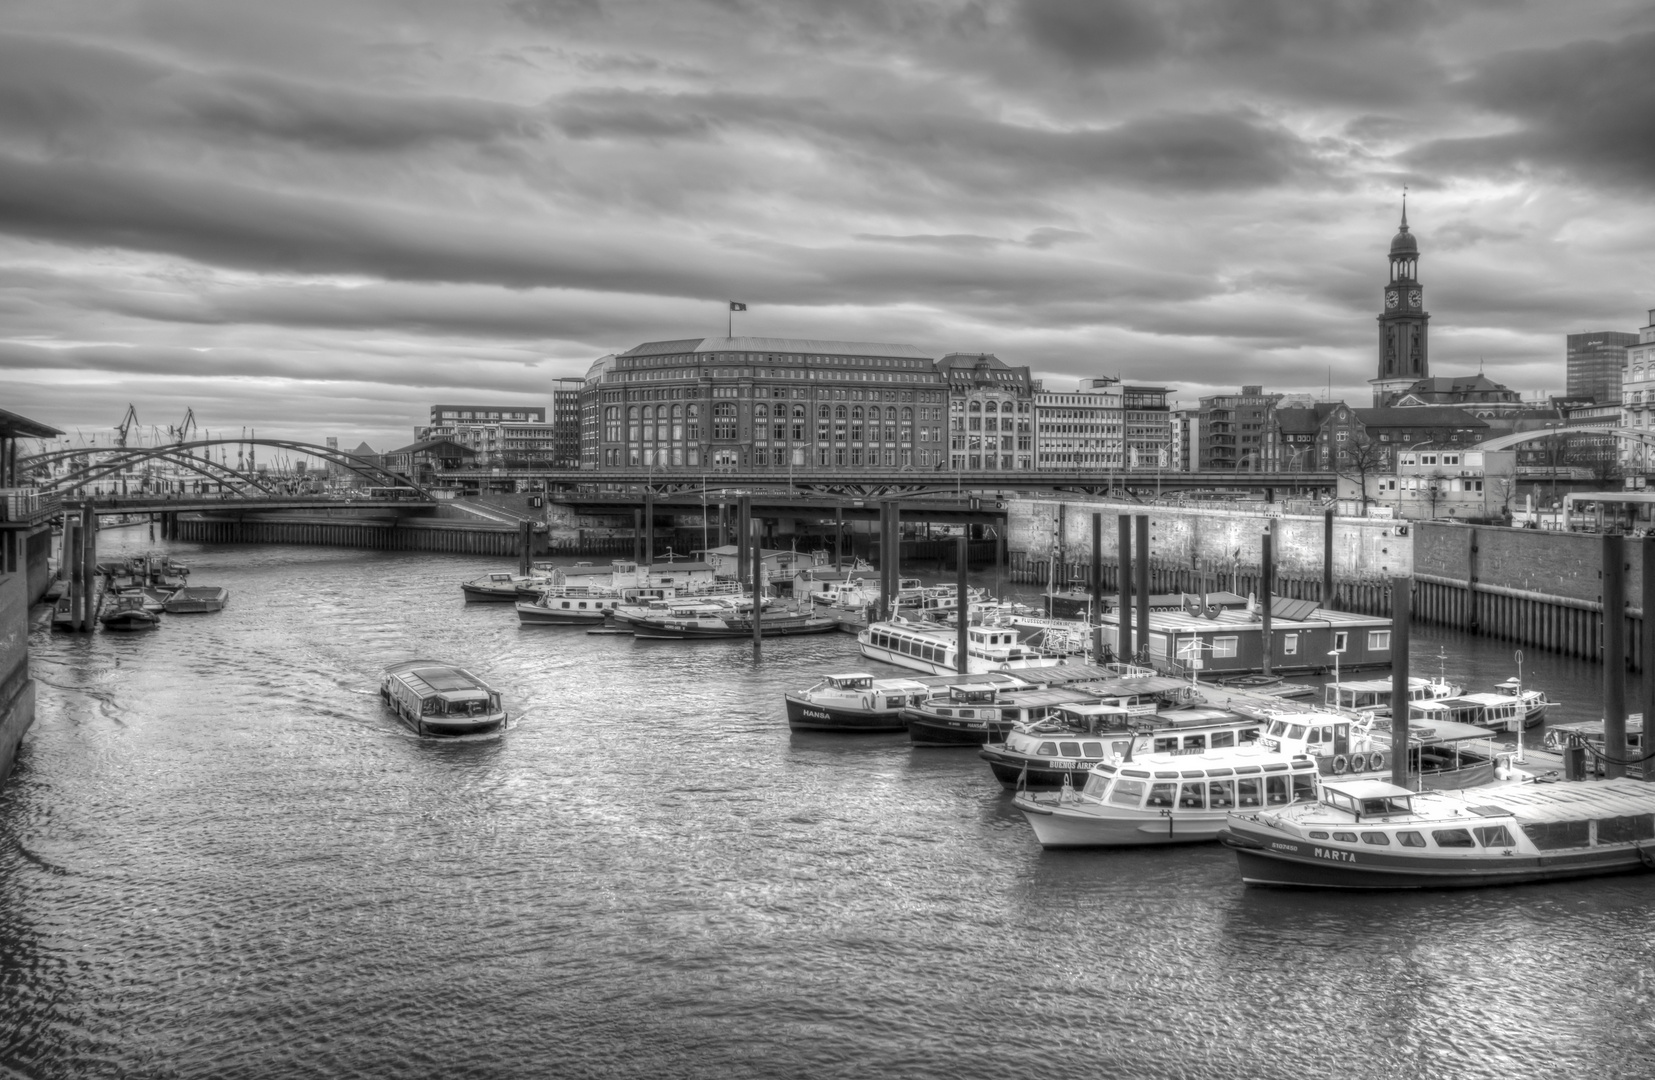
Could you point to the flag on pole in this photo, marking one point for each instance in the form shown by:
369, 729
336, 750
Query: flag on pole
734, 306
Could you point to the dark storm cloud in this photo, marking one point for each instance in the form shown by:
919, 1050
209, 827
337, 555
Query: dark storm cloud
1173, 151
71, 94
1138, 32
1586, 108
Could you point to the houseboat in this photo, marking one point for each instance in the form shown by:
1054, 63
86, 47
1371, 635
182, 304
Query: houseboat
1063, 747
695, 623
1370, 834
197, 599
572, 606
440, 700
128, 612
1374, 695
932, 649
860, 702
1167, 798
1442, 754
1231, 641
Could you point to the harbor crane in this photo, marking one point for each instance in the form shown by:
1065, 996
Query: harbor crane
126, 425
185, 428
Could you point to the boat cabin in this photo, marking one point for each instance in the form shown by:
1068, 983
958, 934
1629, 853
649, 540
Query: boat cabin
1371, 800
1222, 782
443, 691
1499, 712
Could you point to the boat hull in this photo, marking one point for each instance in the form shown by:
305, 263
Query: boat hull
1087, 825
805, 715
536, 615
489, 594
925, 729
1270, 858
1035, 774
196, 600
130, 621
444, 729
651, 630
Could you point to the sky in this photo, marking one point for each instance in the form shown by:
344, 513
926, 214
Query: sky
319, 218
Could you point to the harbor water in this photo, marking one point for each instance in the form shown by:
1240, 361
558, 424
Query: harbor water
221, 856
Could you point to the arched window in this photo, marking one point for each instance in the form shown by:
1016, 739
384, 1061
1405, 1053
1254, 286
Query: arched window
693, 431
990, 407
612, 424
678, 412
975, 406
907, 415
695, 412
799, 412
822, 412
724, 420
649, 412
632, 423
761, 411
856, 413
838, 412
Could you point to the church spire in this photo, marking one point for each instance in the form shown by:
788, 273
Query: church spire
1404, 208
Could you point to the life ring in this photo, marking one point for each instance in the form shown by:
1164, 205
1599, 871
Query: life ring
1340, 765
1359, 763
1376, 760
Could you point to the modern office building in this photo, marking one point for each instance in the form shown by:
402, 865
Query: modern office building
701, 404
566, 423
1148, 421
1595, 361
1080, 430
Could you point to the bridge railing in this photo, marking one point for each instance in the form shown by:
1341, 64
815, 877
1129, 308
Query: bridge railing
28, 506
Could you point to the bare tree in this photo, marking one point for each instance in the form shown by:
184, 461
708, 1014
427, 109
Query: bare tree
1598, 459
1359, 459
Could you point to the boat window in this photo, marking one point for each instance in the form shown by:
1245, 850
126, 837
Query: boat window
1095, 783
1070, 749
1047, 749
1275, 790
1195, 742
1251, 734
1009, 714
1278, 727
895, 702
430, 707
1295, 731
1345, 837
1304, 787
1162, 794
1318, 834
945, 712
1497, 836
1127, 792
1167, 743
1621, 830
1377, 839
1222, 739
1279, 766
1119, 748
1247, 791
1315, 736
1551, 835
1410, 839
1092, 749
1193, 796
1453, 838
1221, 794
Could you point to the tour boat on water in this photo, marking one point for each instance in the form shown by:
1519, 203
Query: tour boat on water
1370, 834
860, 702
976, 712
128, 612
1066, 744
1442, 754
1374, 695
1174, 797
575, 606
932, 649
498, 588
696, 623
197, 599
441, 700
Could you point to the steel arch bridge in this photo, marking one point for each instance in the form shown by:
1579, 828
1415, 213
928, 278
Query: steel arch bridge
1638, 436
112, 460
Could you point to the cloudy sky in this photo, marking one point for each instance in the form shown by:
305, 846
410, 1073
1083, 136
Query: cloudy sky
316, 218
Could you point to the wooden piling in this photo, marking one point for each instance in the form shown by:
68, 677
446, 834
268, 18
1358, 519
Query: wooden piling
1327, 560
1267, 572
1143, 587
1614, 657
1123, 588
1401, 614
962, 663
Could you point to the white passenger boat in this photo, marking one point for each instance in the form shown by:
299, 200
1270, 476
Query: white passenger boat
1374, 695
1442, 754
932, 649
1065, 745
441, 700
852, 595
574, 605
858, 701
1166, 798
1369, 834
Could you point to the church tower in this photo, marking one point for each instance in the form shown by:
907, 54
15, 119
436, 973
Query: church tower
1404, 357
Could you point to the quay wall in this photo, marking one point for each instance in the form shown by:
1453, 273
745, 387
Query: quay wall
405, 534
1534, 587
23, 581
1196, 548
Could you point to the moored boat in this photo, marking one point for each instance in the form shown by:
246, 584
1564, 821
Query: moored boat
932, 649
1064, 746
195, 599
128, 612
1369, 834
1166, 798
577, 606
1357, 696
441, 700
498, 588
694, 623
1442, 754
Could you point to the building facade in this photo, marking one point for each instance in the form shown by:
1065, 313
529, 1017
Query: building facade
1595, 361
1082, 430
566, 423
1235, 430
990, 413
1404, 324
701, 404
1148, 421
1638, 397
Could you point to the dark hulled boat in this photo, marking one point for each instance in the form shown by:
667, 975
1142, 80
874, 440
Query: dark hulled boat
695, 624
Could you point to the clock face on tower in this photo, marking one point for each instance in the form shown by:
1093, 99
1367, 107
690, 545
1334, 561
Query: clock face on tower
1413, 298
1390, 299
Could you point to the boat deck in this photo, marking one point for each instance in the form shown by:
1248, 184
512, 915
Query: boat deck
1566, 802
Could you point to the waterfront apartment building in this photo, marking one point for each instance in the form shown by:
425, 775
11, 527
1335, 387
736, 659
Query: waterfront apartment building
1148, 422
566, 423
1595, 361
990, 413
1080, 430
1638, 397
1186, 437
1235, 430
499, 436
700, 404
